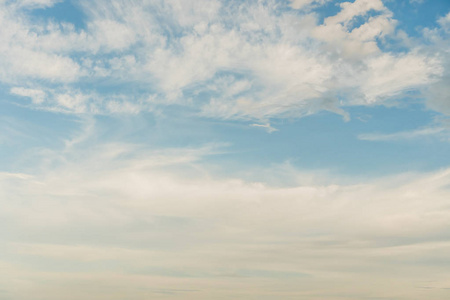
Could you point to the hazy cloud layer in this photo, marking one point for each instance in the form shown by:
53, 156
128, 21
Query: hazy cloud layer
138, 226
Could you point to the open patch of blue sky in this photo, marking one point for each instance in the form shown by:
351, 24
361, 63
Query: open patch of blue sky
414, 16
67, 11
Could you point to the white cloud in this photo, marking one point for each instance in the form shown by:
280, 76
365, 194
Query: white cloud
22, 56
100, 217
297, 4
194, 12
112, 35
390, 75
282, 64
73, 101
301, 4
23, 63
353, 9
266, 126
37, 96
357, 42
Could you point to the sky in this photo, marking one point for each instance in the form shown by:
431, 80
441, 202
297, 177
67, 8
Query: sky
224, 149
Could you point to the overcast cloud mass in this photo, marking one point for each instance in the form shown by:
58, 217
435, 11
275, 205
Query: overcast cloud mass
224, 149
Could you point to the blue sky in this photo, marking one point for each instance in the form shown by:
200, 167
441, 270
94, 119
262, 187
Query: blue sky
208, 149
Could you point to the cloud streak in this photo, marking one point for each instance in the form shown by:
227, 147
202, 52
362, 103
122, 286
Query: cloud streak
404, 135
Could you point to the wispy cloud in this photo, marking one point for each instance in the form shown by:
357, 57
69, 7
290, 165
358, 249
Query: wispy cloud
403, 135
266, 126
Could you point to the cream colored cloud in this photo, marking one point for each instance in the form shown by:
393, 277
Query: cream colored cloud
359, 42
37, 96
74, 101
140, 219
22, 57
353, 9
390, 75
20, 62
302, 4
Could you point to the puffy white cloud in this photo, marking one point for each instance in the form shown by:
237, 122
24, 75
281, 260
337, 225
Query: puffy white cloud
302, 4
283, 64
390, 75
445, 22
22, 56
112, 35
191, 12
353, 9
357, 42
37, 96
296, 4
37, 65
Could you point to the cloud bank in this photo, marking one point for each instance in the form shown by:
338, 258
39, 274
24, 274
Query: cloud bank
140, 227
